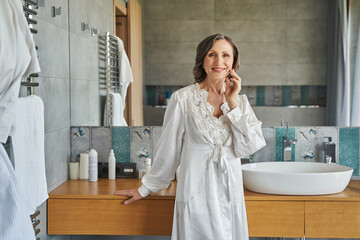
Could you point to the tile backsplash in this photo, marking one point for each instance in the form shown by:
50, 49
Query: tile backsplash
133, 144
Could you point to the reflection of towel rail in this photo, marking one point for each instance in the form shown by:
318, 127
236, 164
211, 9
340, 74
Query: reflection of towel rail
109, 75
29, 7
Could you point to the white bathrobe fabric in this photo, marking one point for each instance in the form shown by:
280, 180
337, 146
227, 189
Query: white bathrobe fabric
17, 60
15, 222
206, 151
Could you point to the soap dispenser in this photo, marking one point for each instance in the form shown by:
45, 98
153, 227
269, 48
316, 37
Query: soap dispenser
112, 165
329, 151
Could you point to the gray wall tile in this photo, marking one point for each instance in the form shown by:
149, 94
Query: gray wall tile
254, 10
80, 141
44, 13
140, 145
303, 30
307, 9
101, 142
305, 147
306, 74
55, 94
53, 52
84, 59
57, 155
177, 30
267, 154
197, 10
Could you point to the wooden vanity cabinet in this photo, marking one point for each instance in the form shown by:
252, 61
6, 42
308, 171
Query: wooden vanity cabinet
79, 207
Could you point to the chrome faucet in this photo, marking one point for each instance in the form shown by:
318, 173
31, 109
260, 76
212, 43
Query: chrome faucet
287, 144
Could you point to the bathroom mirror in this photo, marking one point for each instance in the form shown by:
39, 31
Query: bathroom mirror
283, 47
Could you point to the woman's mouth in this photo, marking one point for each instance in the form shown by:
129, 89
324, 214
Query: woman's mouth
217, 69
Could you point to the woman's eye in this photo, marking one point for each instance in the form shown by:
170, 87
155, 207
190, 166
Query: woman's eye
211, 55
226, 55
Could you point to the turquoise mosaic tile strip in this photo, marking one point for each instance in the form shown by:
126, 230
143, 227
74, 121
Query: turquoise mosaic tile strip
349, 148
121, 143
280, 133
260, 96
304, 95
286, 95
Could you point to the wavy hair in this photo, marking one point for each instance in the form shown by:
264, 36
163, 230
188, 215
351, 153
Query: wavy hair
203, 48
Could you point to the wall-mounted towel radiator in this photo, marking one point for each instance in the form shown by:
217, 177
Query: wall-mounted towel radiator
29, 8
109, 74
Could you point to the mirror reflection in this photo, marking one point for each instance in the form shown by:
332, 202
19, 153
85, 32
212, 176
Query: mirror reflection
292, 60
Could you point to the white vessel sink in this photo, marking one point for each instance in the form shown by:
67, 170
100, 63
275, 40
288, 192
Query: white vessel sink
296, 178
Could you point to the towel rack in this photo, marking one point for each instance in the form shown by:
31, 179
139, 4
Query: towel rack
109, 75
29, 7
35, 222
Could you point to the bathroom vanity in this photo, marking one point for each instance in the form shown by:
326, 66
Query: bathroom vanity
79, 207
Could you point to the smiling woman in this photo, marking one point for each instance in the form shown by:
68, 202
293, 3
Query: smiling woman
207, 128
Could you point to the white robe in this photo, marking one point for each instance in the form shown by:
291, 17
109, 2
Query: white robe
206, 151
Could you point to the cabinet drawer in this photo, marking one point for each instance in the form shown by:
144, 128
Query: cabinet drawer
109, 217
332, 219
275, 218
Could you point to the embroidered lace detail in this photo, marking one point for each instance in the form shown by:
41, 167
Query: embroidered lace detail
217, 129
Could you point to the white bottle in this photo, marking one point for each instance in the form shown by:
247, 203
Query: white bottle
147, 165
112, 165
93, 166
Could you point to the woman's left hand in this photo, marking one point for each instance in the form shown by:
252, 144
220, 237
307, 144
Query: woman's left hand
231, 93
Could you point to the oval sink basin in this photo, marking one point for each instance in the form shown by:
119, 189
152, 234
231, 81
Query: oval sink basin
296, 178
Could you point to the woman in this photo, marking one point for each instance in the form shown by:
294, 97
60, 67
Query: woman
207, 127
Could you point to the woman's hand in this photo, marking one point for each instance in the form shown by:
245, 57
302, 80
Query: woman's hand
133, 193
231, 93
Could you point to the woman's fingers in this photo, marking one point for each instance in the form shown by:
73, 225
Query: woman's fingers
133, 193
123, 193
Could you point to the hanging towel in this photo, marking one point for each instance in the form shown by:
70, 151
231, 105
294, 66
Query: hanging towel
125, 75
28, 146
17, 60
117, 111
15, 222
119, 99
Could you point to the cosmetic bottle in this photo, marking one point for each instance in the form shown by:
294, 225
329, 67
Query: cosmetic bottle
329, 151
112, 165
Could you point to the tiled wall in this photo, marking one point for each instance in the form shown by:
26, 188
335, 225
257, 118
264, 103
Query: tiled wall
257, 95
281, 42
133, 144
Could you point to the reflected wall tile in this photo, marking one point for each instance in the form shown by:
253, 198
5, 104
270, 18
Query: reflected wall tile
321, 133
260, 96
278, 95
80, 141
286, 97
295, 95
101, 142
266, 154
349, 148
121, 143
280, 134
305, 146
140, 145
269, 96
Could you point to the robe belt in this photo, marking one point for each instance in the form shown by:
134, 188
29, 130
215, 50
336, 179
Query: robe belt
219, 156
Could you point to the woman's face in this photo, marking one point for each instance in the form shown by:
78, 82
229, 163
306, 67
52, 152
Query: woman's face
219, 60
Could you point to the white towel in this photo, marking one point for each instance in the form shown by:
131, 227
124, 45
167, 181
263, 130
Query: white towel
125, 76
119, 99
28, 146
15, 222
117, 111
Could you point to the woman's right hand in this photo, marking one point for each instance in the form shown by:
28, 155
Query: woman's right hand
132, 193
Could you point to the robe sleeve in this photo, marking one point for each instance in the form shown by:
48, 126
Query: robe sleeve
167, 151
246, 129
